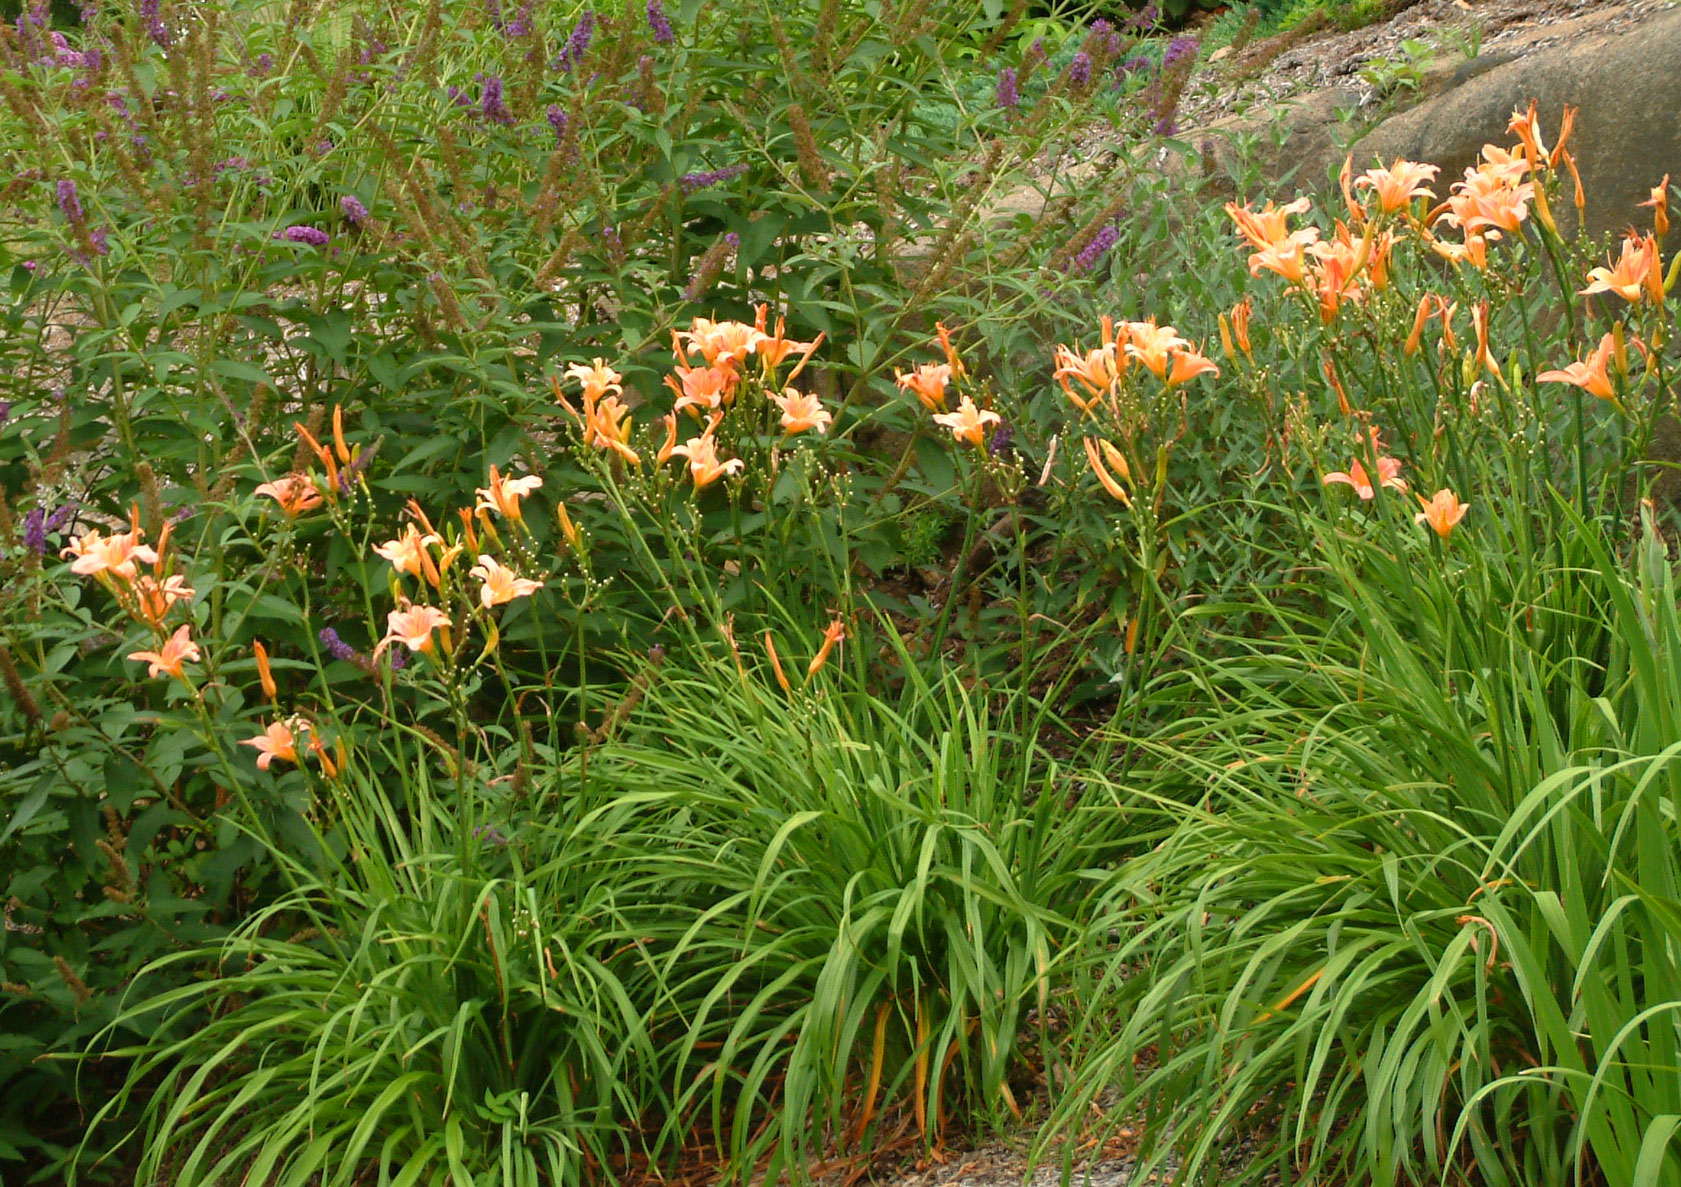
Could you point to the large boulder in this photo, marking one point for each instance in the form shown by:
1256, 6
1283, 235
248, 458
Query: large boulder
1626, 87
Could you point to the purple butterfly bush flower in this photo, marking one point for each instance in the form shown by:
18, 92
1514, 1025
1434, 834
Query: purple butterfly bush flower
1008, 96
155, 28
310, 236
578, 44
1079, 71
491, 107
1178, 50
700, 181
354, 212
659, 24
556, 115
336, 647
1095, 249
70, 203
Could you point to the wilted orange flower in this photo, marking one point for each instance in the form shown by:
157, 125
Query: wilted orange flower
1636, 274
702, 388
1479, 322
1592, 374
772, 349
99, 555
702, 455
969, 423
1473, 251
1241, 312
153, 598
294, 492
503, 495
1426, 306
1659, 202
801, 413
1388, 471
610, 429
928, 382
833, 634
1442, 511
277, 741
500, 583
407, 552
1399, 184
412, 626
953, 359
177, 650
1096, 453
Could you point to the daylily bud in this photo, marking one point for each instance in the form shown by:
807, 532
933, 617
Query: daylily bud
265, 677
1415, 338
568, 528
1619, 350
776, 664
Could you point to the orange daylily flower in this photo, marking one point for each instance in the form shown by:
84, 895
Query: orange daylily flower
1487, 200
412, 626
723, 343
1592, 374
1097, 372
177, 650
407, 552
1187, 365
1288, 259
1388, 471
294, 492
928, 382
1152, 345
610, 429
597, 379
1527, 128
773, 349
153, 598
1270, 227
99, 555
801, 412
1442, 511
702, 455
503, 495
1399, 184
277, 741
500, 583
1632, 276
969, 423
702, 388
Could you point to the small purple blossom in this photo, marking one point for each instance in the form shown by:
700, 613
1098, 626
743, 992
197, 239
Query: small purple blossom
69, 203
700, 181
1008, 96
1167, 125
1079, 71
262, 66
6, 405
1000, 444
398, 660
659, 24
1095, 249
354, 212
1178, 50
35, 530
458, 97
557, 120
155, 28
578, 44
491, 107
336, 647
312, 236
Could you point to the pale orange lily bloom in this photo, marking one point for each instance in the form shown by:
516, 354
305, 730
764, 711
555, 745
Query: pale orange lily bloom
407, 552
597, 379
504, 494
1288, 259
1270, 227
969, 423
1484, 200
1659, 202
1187, 365
1630, 277
277, 741
1399, 184
1503, 165
1527, 128
153, 599
294, 492
1592, 374
928, 382
412, 626
1388, 470
723, 343
801, 412
702, 388
1152, 345
1097, 372
1110, 482
702, 455
1442, 512
99, 555
500, 583
177, 650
